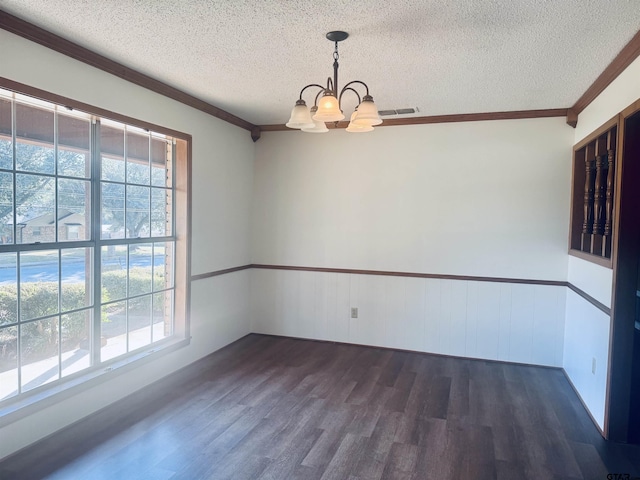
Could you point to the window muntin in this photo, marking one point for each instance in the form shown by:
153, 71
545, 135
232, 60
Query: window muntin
73, 296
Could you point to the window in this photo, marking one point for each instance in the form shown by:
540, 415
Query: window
92, 256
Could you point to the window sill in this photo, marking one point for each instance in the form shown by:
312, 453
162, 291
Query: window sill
603, 261
41, 399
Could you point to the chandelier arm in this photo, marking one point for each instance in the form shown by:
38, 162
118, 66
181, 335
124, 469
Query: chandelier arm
346, 87
311, 85
331, 86
315, 102
355, 81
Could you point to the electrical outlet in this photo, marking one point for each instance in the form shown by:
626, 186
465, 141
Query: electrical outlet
354, 312
593, 365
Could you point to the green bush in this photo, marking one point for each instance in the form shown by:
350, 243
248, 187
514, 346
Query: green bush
40, 299
40, 339
114, 282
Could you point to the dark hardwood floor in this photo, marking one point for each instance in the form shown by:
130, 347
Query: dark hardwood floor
278, 408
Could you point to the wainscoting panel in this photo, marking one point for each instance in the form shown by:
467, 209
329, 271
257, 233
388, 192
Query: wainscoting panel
586, 340
514, 322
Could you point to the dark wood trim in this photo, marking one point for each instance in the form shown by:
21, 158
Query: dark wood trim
477, 117
47, 39
463, 117
553, 283
577, 392
614, 261
600, 306
576, 205
216, 273
630, 110
605, 127
602, 261
627, 55
255, 134
572, 118
556, 283
87, 108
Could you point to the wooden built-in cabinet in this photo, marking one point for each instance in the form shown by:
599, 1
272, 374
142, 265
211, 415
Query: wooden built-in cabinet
593, 195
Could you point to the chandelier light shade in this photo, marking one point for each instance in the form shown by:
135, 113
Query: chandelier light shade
367, 113
300, 116
329, 109
355, 128
319, 127
327, 106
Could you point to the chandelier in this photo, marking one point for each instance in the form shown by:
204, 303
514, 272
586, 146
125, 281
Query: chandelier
329, 109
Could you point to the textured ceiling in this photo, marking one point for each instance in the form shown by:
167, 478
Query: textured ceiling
252, 57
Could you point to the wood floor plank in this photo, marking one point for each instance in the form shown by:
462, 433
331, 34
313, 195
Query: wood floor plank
268, 407
342, 462
401, 463
374, 458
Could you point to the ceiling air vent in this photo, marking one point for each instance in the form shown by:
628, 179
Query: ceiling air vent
398, 111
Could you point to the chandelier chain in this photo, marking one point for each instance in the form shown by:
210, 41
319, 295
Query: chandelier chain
336, 55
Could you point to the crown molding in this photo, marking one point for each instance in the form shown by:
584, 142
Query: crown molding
627, 55
462, 117
61, 45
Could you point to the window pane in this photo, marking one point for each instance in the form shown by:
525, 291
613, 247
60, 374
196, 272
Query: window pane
6, 145
140, 257
162, 261
39, 352
8, 362
73, 164
6, 208
139, 322
76, 278
160, 212
35, 208
112, 153
137, 211
38, 284
137, 158
160, 163
113, 169
34, 136
73, 146
74, 210
114, 272
162, 315
8, 289
112, 209
113, 330
76, 335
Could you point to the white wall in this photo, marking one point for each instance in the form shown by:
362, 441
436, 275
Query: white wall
476, 198
222, 182
587, 328
591, 278
480, 198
